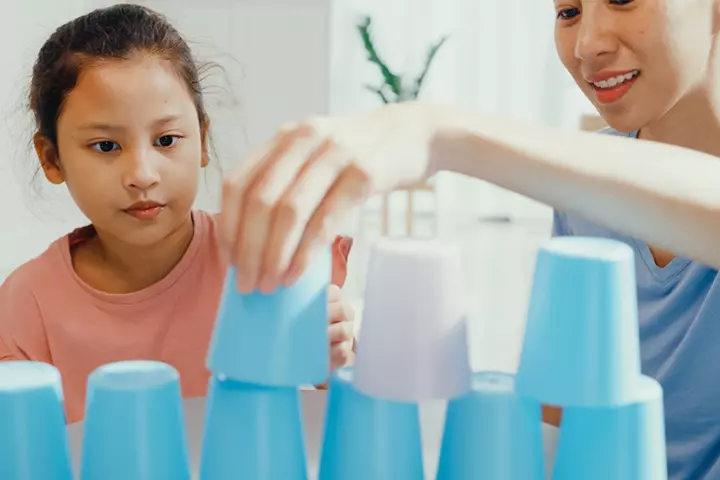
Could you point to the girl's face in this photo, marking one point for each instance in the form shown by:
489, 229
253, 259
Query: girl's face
130, 148
637, 59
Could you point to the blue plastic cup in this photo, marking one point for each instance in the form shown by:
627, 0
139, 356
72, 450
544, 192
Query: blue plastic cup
581, 345
134, 424
33, 442
492, 433
367, 437
278, 339
618, 443
253, 432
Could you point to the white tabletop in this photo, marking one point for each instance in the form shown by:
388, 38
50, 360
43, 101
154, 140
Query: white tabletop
313, 404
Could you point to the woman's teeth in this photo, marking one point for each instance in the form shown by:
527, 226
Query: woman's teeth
615, 81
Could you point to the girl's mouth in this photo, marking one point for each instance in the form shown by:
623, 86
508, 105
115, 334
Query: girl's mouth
144, 210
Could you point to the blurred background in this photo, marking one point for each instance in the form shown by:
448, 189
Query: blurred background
284, 60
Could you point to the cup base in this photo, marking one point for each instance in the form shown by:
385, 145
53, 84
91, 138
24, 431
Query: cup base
619, 443
134, 423
492, 433
34, 443
581, 346
253, 432
369, 438
278, 339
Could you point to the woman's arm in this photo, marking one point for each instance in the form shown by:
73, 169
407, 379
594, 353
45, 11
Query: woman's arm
292, 193
664, 195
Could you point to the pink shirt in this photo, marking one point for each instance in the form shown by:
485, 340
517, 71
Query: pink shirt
48, 314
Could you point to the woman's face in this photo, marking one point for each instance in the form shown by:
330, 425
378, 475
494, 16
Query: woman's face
637, 59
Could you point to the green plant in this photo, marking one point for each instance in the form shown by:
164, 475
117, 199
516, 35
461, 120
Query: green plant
394, 87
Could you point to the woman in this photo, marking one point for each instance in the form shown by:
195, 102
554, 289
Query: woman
651, 68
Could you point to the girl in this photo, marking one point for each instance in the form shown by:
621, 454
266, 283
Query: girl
121, 121
652, 70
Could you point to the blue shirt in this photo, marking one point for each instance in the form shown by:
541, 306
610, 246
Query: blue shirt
679, 314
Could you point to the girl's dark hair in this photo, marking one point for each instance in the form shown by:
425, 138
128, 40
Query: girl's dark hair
115, 32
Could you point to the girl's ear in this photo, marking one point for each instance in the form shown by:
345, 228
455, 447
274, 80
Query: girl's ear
49, 161
205, 134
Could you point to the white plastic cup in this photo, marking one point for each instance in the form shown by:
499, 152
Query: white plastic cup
413, 339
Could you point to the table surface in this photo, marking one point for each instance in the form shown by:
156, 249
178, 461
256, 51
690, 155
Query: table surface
313, 406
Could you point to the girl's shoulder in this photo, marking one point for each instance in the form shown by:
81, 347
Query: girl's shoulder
50, 274
47, 265
22, 329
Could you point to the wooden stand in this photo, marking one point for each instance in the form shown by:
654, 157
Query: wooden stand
422, 186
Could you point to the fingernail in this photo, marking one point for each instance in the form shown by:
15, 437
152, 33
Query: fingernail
267, 284
245, 282
287, 280
291, 276
225, 256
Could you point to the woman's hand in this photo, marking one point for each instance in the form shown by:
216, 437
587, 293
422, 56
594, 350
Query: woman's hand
341, 330
291, 195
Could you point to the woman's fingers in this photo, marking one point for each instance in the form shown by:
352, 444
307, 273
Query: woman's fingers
290, 199
264, 202
284, 207
351, 186
295, 208
234, 201
250, 199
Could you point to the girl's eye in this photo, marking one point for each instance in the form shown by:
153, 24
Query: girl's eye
166, 141
106, 146
568, 13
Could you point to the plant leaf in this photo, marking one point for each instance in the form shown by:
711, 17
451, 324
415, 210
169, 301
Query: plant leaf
391, 79
379, 92
432, 52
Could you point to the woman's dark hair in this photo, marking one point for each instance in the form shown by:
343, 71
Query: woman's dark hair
115, 32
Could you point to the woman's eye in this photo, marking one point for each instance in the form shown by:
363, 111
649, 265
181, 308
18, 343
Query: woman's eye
166, 141
568, 13
105, 146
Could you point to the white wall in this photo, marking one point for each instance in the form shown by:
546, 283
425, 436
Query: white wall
29, 223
